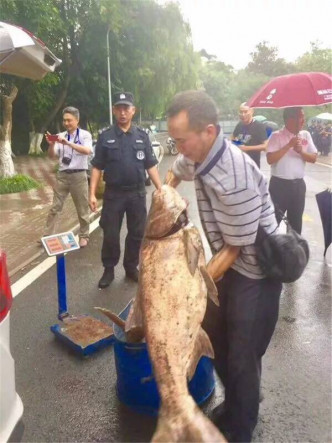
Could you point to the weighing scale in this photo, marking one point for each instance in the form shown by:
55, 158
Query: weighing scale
84, 334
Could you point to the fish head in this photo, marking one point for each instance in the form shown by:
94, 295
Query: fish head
166, 208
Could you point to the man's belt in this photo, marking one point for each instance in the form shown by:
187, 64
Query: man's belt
139, 187
72, 171
288, 180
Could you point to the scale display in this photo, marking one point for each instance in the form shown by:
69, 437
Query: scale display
60, 243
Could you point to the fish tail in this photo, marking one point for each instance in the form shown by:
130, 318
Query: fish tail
186, 426
115, 318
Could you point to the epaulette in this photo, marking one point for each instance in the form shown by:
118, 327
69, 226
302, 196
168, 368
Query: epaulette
140, 129
104, 129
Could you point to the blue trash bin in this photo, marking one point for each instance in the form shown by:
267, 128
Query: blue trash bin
136, 386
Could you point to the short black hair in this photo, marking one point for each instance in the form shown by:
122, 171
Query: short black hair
200, 107
291, 113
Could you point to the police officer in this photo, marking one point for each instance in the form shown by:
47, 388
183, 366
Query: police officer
123, 152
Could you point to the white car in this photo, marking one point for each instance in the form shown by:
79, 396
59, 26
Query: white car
11, 406
24, 55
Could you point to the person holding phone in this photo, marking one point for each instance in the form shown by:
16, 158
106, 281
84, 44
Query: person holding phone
288, 151
72, 147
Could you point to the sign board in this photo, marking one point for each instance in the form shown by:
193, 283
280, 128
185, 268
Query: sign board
60, 243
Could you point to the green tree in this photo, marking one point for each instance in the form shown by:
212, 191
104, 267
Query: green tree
265, 61
218, 80
317, 59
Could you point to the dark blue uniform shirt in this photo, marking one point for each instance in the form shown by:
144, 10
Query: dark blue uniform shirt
124, 156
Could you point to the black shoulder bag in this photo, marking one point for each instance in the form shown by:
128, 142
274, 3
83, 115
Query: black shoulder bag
282, 257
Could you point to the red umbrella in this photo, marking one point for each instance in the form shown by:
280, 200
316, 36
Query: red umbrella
286, 91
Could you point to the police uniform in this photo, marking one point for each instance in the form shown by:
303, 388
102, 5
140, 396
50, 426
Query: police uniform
124, 157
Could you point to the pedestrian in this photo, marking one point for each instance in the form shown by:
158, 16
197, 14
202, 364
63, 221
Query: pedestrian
233, 200
288, 151
123, 152
73, 148
250, 135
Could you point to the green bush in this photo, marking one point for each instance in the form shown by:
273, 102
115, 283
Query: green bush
17, 183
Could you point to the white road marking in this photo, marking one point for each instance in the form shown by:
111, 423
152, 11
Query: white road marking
323, 164
39, 270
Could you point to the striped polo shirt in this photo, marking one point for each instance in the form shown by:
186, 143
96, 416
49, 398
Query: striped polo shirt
233, 199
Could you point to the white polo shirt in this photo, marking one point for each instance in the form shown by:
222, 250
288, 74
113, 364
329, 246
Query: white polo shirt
291, 166
78, 160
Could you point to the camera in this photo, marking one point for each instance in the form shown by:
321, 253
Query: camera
66, 160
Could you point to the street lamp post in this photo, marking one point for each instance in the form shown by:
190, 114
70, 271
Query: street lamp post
109, 76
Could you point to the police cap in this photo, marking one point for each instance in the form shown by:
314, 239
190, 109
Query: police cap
123, 98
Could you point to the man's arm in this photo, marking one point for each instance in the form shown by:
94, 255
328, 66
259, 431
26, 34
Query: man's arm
79, 148
260, 147
154, 175
222, 261
94, 180
274, 157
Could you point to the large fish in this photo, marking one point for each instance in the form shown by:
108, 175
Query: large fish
168, 311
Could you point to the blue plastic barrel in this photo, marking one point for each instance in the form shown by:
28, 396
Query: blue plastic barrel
136, 386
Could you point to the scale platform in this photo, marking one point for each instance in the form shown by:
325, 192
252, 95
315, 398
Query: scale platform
84, 334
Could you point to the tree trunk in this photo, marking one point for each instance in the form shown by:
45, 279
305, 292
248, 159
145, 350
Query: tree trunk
6, 162
35, 141
59, 102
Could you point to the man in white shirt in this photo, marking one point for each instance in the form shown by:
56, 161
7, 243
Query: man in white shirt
73, 148
288, 151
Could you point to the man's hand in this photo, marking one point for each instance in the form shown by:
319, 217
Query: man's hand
47, 139
93, 203
298, 145
63, 140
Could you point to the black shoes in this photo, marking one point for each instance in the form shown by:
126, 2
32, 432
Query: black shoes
107, 278
132, 275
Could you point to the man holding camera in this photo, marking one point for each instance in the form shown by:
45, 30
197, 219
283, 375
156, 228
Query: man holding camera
73, 148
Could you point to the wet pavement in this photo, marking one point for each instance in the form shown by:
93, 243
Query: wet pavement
70, 398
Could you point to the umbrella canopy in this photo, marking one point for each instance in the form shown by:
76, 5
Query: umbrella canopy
286, 91
324, 116
324, 202
259, 118
23, 54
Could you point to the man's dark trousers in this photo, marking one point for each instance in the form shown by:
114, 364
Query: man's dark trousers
289, 195
240, 331
116, 204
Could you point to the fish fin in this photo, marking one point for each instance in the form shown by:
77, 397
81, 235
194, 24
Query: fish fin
192, 250
202, 347
134, 325
211, 287
115, 318
186, 425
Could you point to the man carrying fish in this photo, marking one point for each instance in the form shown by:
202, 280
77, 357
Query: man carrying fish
233, 200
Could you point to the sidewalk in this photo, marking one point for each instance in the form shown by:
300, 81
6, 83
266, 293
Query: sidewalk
23, 215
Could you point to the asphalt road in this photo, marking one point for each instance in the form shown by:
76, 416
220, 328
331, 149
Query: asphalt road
70, 398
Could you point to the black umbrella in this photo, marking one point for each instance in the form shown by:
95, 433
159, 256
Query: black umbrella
324, 202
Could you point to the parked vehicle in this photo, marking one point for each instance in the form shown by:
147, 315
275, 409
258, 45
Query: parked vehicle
171, 146
23, 55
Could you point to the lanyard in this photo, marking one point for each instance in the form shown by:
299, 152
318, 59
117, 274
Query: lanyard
76, 138
75, 141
